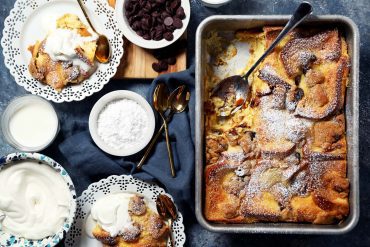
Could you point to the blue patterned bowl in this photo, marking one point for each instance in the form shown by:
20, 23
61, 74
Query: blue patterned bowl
7, 239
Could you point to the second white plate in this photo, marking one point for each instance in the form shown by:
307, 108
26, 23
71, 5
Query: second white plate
29, 21
115, 184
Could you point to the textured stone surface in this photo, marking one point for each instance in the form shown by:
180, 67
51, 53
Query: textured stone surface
71, 113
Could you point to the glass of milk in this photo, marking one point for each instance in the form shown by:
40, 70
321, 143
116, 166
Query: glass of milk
29, 123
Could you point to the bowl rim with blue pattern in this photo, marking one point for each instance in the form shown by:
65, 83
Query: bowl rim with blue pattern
7, 239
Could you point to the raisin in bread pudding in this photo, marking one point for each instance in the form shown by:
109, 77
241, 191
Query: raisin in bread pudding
126, 220
282, 157
66, 55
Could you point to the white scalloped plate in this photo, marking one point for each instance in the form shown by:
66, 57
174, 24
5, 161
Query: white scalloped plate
30, 20
115, 184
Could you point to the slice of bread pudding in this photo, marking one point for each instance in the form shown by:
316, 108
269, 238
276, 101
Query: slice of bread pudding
66, 55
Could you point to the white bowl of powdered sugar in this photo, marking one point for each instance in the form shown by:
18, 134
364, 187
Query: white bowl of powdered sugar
121, 123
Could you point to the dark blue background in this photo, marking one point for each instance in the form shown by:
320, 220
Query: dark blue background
72, 113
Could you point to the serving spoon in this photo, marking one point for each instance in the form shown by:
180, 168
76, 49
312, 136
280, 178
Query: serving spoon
238, 85
103, 51
160, 102
178, 101
167, 210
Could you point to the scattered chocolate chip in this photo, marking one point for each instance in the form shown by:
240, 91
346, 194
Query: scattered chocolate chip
156, 67
163, 65
171, 60
168, 21
167, 56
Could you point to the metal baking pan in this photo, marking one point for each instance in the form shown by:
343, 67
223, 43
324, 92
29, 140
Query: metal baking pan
234, 22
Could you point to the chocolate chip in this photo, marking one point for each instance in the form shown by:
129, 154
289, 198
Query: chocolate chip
154, 19
252, 135
168, 36
128, 6
174, 4
158, 36
167, 55
171, 60
177, 23
180, 13
165, 14
156, 67
297, 155
163, 65
297, 80
136, 26
168, 21
298, 94
146, 36
156, 14
147, 7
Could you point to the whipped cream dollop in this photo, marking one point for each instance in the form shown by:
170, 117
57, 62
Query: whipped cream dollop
34, 199
61, 43
111, 213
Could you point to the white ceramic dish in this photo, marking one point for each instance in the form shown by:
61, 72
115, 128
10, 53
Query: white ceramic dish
115, 184
7, 239
99, 106
28, 21
139, 41
215, 3
12, 108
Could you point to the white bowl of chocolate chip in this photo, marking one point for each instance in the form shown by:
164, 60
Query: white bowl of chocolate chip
152, 24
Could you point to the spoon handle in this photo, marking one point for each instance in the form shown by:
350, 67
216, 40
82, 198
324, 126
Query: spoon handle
172, 241
169, 150
303, 10
153, 141
85, 14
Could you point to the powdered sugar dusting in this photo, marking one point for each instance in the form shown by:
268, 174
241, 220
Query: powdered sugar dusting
280, 124
122, 123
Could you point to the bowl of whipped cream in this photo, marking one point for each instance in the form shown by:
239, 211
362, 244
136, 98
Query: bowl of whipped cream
37, 200
121, 123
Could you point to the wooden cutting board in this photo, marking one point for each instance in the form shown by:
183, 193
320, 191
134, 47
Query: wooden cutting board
137, 62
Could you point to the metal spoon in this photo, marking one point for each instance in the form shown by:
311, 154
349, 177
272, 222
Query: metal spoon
167, 210
160, 102
103, 51
178, 101
238, 85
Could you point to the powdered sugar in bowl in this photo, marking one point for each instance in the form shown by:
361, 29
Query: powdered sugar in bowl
121, 123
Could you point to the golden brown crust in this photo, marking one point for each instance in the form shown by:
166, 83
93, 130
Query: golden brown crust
325, 99
327, 140
283, 156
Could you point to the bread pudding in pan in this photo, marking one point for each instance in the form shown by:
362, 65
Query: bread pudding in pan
282, 157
